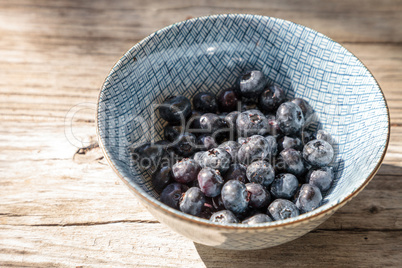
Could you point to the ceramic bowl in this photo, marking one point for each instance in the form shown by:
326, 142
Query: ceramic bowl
207, 54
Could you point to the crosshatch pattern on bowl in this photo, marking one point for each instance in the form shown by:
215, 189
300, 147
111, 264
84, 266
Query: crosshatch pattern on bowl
197, 56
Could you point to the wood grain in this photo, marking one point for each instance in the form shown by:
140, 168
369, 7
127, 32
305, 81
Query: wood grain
63, 209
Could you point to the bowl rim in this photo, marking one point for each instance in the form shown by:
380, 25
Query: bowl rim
206, 223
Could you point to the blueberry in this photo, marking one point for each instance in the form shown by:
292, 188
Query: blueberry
258, 195
235, 196
217, 158
282, 209
284, 186
171, 133
255, 148
324, 135
224, 216
185, 145
214, 125
206, 142
199, 157
227, 100
192, 201
231, 119
261, 172
186, 170
175, 109
318, 153
193, 123
210, 182
252, 122
231, 147
161, 178
236, 172
305, 107
309, 198
273, 126
205, 102
273, 144
211, 123
271, 98
289, 142
322, 178
258, 218
241, 140
290, 161
147, 156
290, 118
307, 136
251, 83
172, 193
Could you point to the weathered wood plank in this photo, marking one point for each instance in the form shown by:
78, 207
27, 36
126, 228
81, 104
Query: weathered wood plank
142, 245
60, 211
338, 19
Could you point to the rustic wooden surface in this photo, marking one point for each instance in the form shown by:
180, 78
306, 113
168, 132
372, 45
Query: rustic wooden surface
62, 209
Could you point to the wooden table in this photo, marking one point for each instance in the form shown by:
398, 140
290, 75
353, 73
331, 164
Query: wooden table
62, 206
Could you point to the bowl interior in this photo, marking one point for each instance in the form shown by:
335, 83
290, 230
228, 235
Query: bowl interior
207, 54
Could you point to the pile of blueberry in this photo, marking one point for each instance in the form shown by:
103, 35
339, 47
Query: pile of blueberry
241, 156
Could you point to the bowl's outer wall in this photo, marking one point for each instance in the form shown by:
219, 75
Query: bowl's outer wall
236, 239
206, 54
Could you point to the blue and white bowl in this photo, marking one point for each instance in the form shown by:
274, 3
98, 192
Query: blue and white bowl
207, 54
